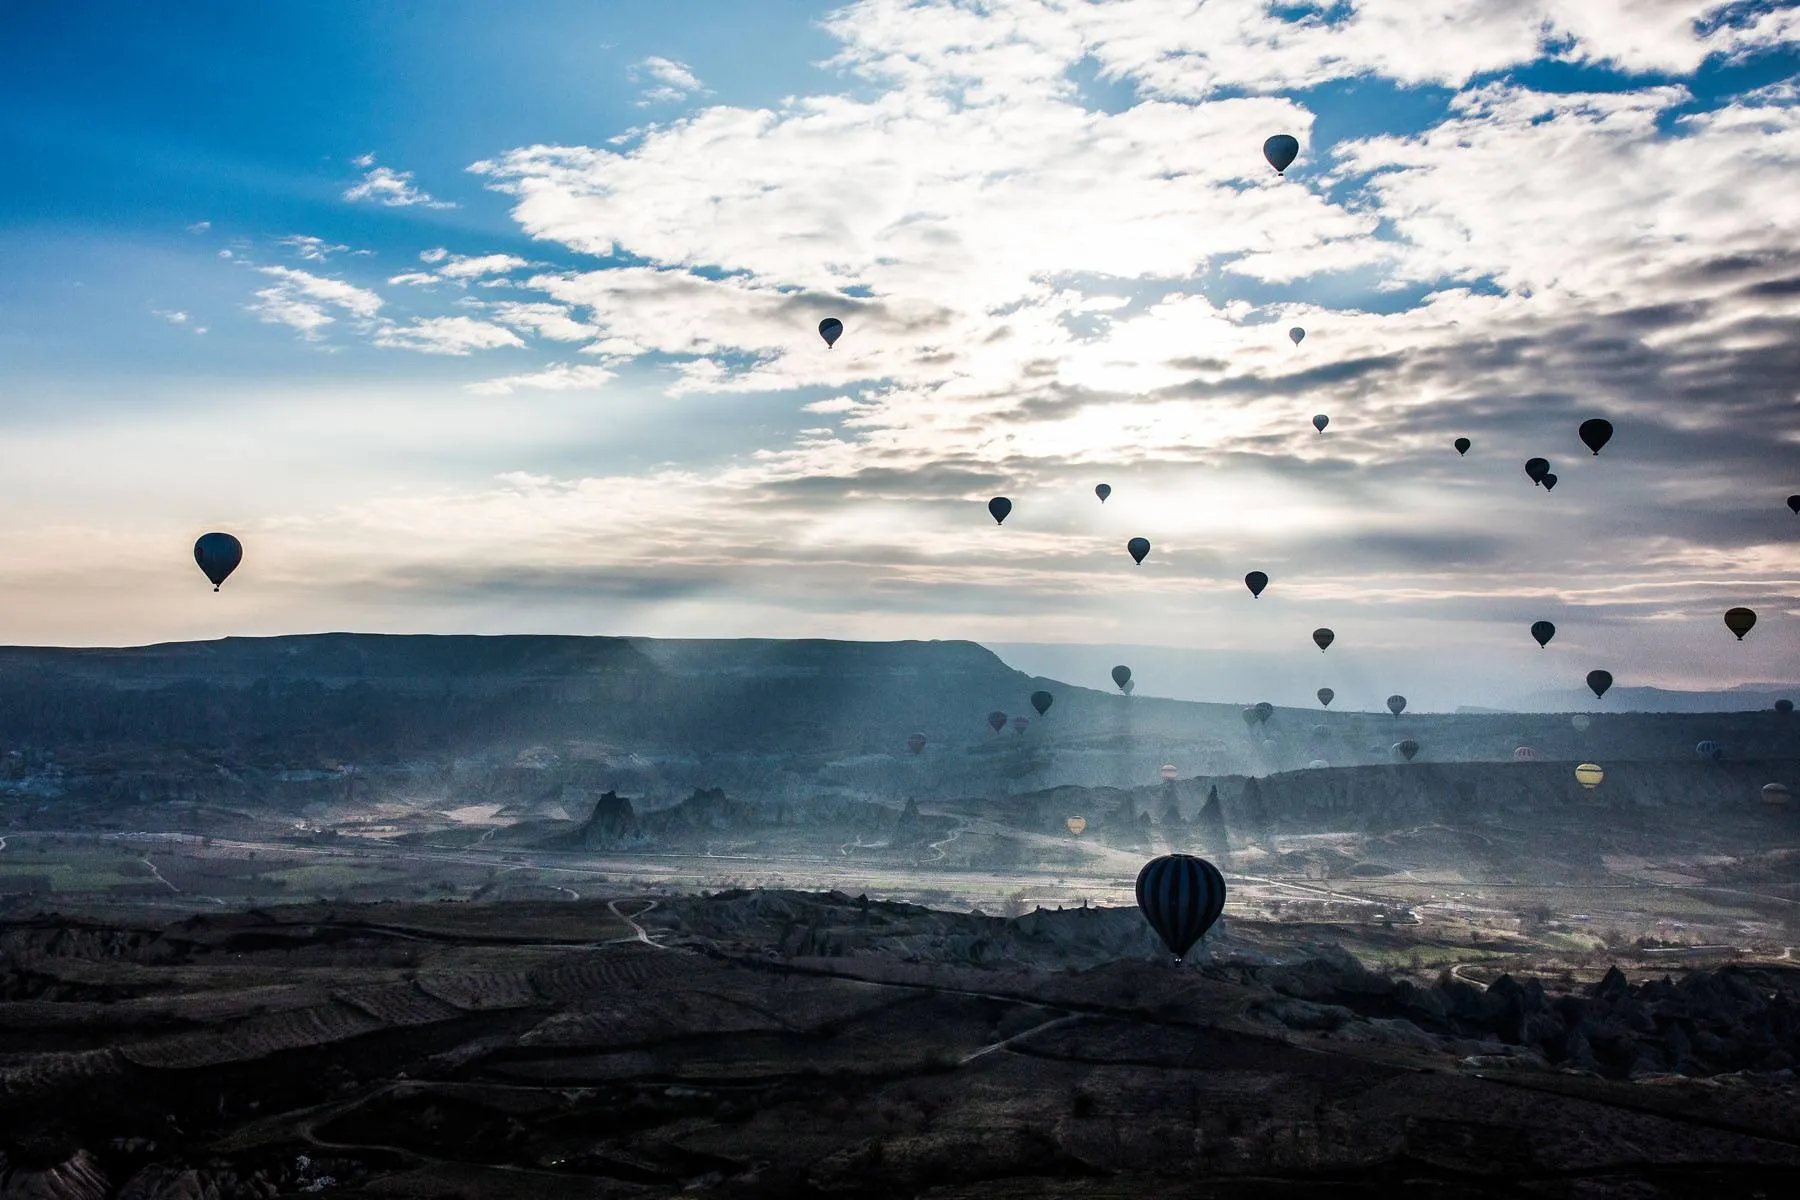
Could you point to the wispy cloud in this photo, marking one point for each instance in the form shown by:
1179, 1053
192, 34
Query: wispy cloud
199, 227
446, 335
305, 302
557, 377
670, 81
312, 249
391, 188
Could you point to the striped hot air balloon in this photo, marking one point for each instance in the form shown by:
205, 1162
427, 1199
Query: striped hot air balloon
1589, 775
1181, 896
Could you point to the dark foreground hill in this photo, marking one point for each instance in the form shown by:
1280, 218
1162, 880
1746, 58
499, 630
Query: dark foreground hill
780, 1044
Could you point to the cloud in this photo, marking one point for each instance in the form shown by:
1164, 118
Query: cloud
304, 301
671, 81
557, 377
310, 249
391, 188
553, 321
464, 267
446, 335
199, 227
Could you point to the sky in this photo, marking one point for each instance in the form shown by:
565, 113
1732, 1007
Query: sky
503, 319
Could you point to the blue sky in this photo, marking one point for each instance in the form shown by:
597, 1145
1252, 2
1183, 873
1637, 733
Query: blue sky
479, 321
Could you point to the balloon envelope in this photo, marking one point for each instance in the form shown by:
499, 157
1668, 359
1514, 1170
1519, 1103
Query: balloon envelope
1396, 704
1784, 706
1296, 335
1589, 775
1320, 422
1406, 749
1249, 715
1595, 433
1042, 702
1740, 621
997, 719
1264, 711
1325, 696
1543, 631
1138, 547
1102, 490
218, 555
1181, 896
1462, 445
1581, 721
1019, 724
1281, 151
1709, 749
1121, 675
1599, 681
1323, 638
1777, 793
916, 742
1525, 754
1537, 468
831, 329
1256, 581
1794, 503
1549, 482
999, 506
1076, 825
1317, 763
1129, 684
1169, 771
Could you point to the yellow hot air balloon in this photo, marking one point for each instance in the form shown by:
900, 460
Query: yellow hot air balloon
1076, 825
1589, 775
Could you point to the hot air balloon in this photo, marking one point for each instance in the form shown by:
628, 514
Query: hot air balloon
1281, 151
1103, 490
1042, 702
999, 506
1709, 749
1581, 721
1169, 772
1256, 581
1076, 825
1138, 547
1595, 433
1784, 706
1325, 696
218, 555
1777, 793
1323, 638
1121, 676
1318, 763
916, 742
1462, 445
1019, 724
1296, 335
1181, 896
997, 720
1396, 704
1525, 754
1543, 631
1320, 421
1250, 717
1537, 468
1794, 503
1589, 775
1599, 681
1129, 685
831, 329
1406, 749
1740, 621
1264, 710
1549, 482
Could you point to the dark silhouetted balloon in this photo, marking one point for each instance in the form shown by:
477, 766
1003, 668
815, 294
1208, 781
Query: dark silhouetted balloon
1537, 468
1777, 793
1784, 706
1740, 621
1000, 506
1462, 445
1019, 724
1042, 702
1281, 151
1181, 896
1549, 481
1138, 547
1406, 749
1296, 335
916, 742
831, 329
1794, 503
997, 719
1103, 490
1599, 681
218, 554
1595, 433
1264, 711
1256, 581
1543, 631
1320, 422
1396, 704
1323, 638
1326, 696
1121, 676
